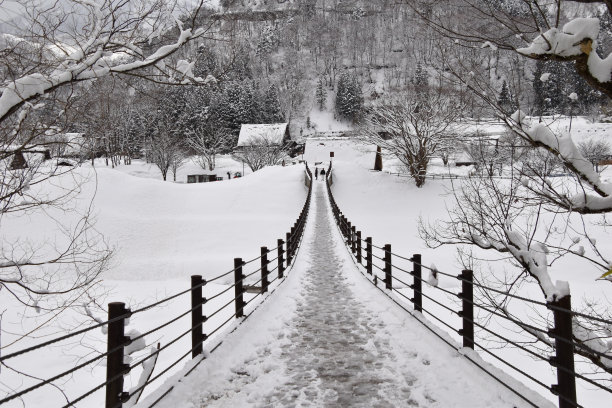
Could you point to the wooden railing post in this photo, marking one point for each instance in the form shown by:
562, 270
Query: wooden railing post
239, 288
417, 284
388, 266
369, 255
467, 311
349, 236
281, 260
116, 342
264, 269
564, 352
288, 240
359, 247
197, 319
354, 240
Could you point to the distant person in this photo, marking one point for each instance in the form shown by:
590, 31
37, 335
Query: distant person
316, 173
322, 174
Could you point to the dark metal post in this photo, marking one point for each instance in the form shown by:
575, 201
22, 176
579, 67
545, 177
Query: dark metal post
388, 277
115, 368
288, 241
467, 312
354, 240
369, 255
359, 247
349, 235
197, 336
264, 269
281, 260
564, 352
238, 288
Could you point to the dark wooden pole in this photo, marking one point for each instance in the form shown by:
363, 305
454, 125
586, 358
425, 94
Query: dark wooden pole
238, 288
359, 247
417, 284
564, 352
369, 255
281, 260
264, 269
288, 240
116, 342
197, 319
388, 266
467, 311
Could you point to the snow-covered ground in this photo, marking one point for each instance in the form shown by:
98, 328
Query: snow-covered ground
328, 338
161, 232
387, 208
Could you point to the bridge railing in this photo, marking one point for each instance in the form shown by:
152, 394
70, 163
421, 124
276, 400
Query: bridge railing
387, 270
264, 270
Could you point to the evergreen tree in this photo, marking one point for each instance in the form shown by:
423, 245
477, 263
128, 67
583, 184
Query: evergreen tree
421, 79
321, 94
268, 41
349, 98
505, 99
271, 108
554, 82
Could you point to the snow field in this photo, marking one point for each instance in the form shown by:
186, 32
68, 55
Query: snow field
162, 233
329, 338
387, 208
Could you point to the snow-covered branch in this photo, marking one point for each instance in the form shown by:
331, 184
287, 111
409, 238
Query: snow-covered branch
576, 41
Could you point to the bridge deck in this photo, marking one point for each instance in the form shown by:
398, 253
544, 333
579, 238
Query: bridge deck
327, 338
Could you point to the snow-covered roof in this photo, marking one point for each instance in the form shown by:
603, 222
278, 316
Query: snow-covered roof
253, 134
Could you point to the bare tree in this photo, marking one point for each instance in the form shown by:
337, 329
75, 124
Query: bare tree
261, 152
45, 61
526, 217
207, 141
166, 151
413, 128
595, 151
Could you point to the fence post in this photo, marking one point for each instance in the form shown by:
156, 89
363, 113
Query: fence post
417, 284
238, 288
467, 312
264, 269
281, 260
564, 352
288, 240
388, 281
369, 255
116, 342
359, 247
354, 240
197, 336
349, 235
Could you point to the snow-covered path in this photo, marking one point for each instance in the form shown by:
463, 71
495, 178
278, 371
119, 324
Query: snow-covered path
327, 338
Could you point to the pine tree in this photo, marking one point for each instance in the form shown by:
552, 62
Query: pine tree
505, 99
271, 108
349, 97
321, 94
421, 79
